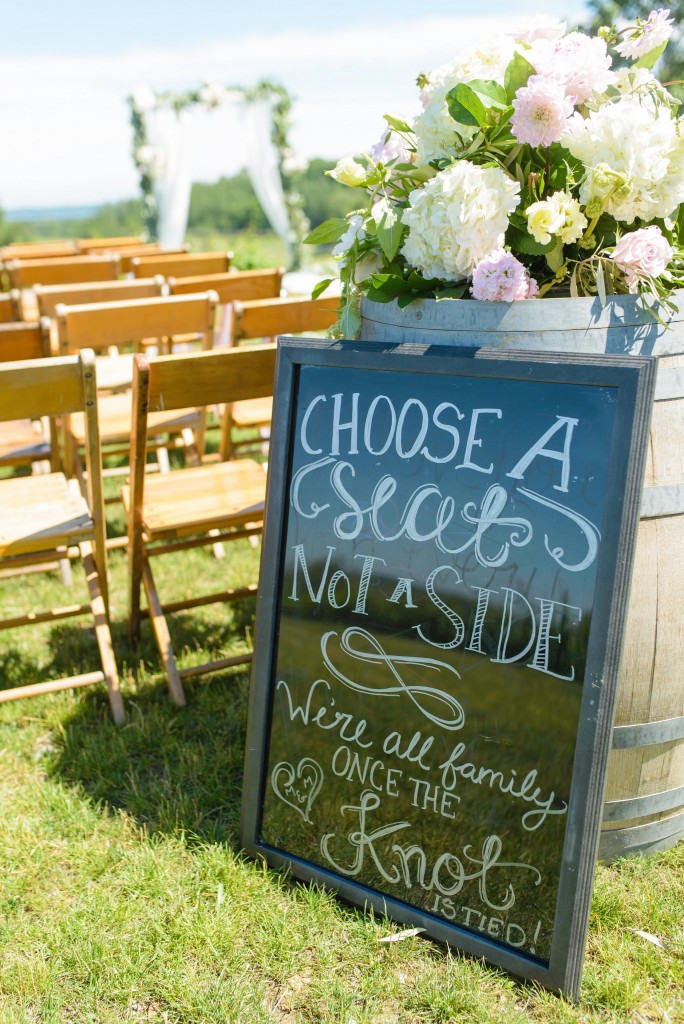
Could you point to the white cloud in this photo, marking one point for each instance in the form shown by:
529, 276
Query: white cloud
65, 120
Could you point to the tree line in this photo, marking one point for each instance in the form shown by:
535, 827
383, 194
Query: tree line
227, 206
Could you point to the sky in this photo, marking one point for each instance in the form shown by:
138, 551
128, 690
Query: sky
66, 70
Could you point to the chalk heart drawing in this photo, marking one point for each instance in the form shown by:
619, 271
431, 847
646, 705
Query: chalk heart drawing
298, 787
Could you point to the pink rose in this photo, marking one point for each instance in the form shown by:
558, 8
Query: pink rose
642, 253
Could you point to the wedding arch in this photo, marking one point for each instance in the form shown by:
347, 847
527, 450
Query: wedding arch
163, 125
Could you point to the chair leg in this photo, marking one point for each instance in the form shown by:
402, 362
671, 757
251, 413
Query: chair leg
102, 633
162, 636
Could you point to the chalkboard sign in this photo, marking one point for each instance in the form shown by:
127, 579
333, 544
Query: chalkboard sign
444, 582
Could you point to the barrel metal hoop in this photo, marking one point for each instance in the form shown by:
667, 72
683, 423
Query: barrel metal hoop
666, 500
655, 835
640, 806
643, 734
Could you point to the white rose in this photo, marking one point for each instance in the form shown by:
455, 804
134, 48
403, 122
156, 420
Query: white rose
543, 220
348, 172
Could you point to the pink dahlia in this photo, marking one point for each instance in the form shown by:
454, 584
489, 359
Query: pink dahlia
500, 277
541, 112
642, 253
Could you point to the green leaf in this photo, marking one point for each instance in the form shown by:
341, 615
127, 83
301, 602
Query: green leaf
320, 287
405, 300
377, 296
516, 75
389, 229
649, 59
522, 241
390, 284
397, 123
679, 226
601, 283
465, 106
418, 283
349, 323
554, 256
455, 291
330, 230
493, 90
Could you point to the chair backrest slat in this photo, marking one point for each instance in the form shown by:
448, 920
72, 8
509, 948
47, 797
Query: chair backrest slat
62, 270
113, 242
101, 325
40, 387
243, 285
183, 265
23, 341
50, 296
205, 378
266, 318
10, 307
37, 250
128, 253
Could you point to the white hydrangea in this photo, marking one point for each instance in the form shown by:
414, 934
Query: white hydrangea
435, 128
459, 217
641, 145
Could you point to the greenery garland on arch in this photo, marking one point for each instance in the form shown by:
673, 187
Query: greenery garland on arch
211, 95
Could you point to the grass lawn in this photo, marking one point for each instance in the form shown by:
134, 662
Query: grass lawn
123, 893
124, 896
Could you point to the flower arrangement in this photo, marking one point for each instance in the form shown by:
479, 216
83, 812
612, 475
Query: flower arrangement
534, 168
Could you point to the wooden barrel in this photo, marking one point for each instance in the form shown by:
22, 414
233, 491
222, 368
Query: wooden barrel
644, 803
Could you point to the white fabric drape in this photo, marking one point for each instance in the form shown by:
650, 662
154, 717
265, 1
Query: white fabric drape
182, 143
167, 132
262, 165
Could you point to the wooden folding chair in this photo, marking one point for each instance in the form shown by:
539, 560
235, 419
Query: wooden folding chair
134, 323
182, 265
26, 442
41, 516
10, 307
106, 325
62, 270
265, 319
48, 297
186, 508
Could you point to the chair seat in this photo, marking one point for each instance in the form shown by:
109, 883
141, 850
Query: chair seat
41, 513
202, 498
114, 413
22, 442
252, 412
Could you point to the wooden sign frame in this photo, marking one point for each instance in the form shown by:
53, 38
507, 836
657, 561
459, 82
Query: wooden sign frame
629, 382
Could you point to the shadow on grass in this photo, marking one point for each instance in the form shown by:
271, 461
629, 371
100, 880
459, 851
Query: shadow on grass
175, 770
